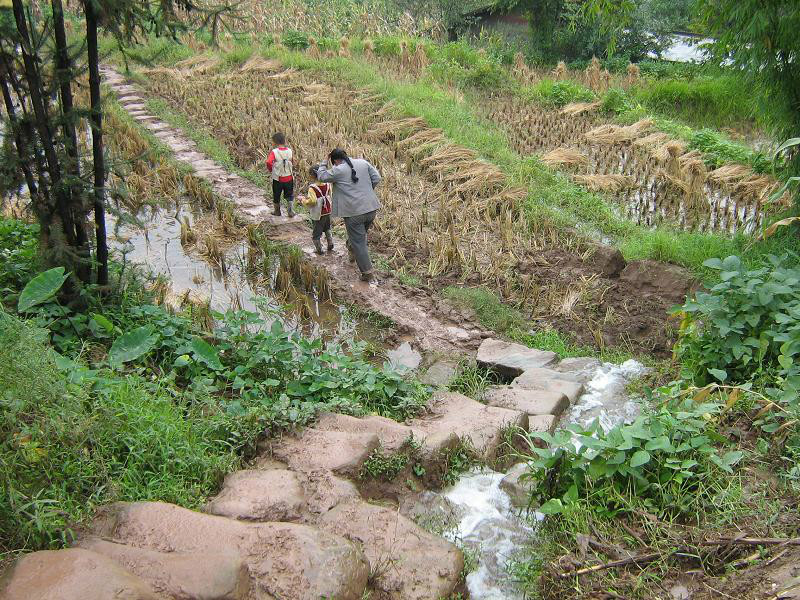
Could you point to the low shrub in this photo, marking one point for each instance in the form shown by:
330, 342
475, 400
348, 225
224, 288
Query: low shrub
73, 438
18, 254
665, 461
296, 40
558, 93
745, 327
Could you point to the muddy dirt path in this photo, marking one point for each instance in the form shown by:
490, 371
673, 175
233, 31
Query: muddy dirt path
412, 310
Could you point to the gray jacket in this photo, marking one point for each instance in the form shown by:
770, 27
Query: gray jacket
352, 199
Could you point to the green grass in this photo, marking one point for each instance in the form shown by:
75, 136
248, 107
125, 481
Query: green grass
719, 100
72, 439
511, 323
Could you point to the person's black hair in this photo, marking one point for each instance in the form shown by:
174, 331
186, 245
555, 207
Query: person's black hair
340, 154
314, 170
279, 139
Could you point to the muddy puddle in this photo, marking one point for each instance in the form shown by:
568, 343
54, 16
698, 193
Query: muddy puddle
224, 272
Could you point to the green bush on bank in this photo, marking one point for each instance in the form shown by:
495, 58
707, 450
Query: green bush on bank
745, 328
72, 438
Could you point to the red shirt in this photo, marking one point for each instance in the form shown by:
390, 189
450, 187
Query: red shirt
271, 161
322, 190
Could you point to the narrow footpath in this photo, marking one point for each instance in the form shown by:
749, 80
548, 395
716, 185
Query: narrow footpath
412, 310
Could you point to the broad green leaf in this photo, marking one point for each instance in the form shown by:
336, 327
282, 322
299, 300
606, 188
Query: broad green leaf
206, 353
660, 443
132, 345
41, 288
718, 374
553, 506
103, 322
640, 458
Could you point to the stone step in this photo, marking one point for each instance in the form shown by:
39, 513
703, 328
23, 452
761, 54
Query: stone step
255, 495
342, 453
72, 574
511, 360
178, 575
457, 417
285, 560
517, 486
549, 380
531, 402
391, 434
408, 563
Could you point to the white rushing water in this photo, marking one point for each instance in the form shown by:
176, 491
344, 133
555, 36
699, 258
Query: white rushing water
488, 525
489, 528
604, 397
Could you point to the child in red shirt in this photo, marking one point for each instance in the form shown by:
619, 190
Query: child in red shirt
281, 164
319, 205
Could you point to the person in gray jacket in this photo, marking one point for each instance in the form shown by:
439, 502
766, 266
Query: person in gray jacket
354, 199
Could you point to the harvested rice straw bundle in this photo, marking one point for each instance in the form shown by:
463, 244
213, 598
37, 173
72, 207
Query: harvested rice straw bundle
260, 64
560, 72
605, 183
313, 49
593, 76
782, 201
634, 74
369, 48
520, 66
426, 136
276, 41
420, 58
605, 82
670, 153
565, 157
449, 153
405, 56
652, 140
695, 175
197, 64
344, 47
575, 109
729, 175
690, 157
605, 134
393, 128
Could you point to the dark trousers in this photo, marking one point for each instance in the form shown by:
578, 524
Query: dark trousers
357, 228
285, 188
321, 226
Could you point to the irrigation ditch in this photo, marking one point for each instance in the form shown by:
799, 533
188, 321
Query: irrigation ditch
375, 501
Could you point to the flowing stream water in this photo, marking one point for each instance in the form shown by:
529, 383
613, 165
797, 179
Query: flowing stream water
488, 525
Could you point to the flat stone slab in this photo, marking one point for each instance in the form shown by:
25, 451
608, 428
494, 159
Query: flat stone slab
404, 358
542, 423
549, 380
254, 495
531, 402
176, 575
515, 485
337, 451
324, 490
511, 360
582, 369
72, 574
409, 563
440, 373
456, 417
285, 560
391, 434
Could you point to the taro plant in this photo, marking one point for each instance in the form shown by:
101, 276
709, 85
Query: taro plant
665, 461
747, 326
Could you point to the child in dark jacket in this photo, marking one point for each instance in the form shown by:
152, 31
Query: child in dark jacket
319, 206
